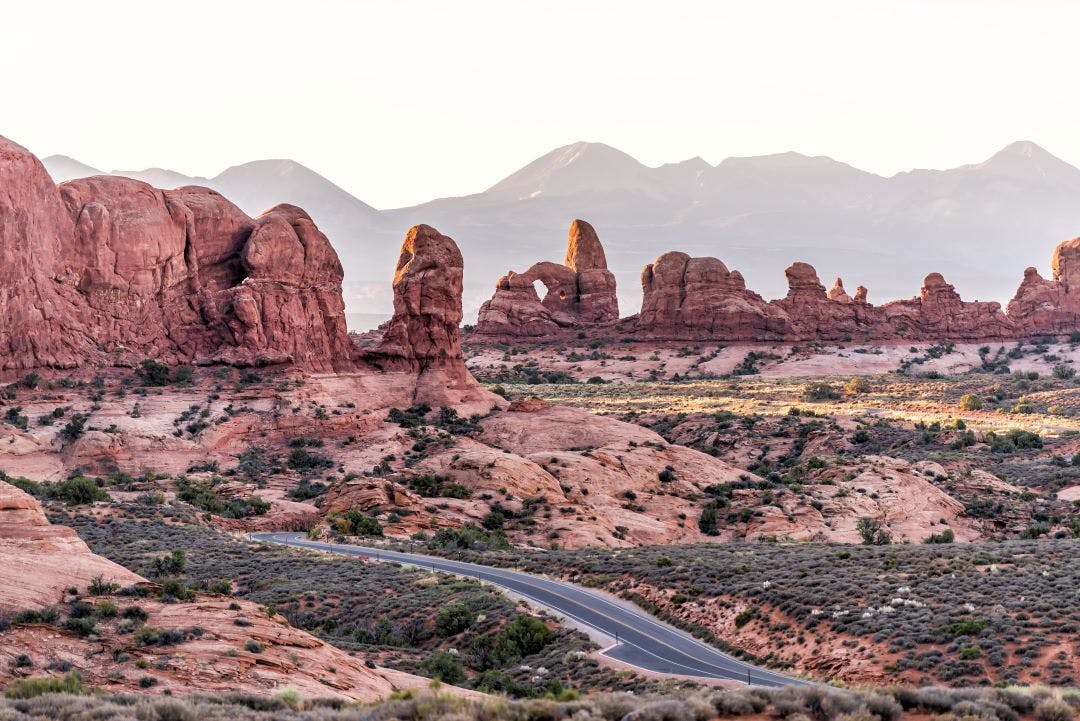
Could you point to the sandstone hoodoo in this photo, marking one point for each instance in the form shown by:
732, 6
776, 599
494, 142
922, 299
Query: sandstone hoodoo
423, 338
111, 270
581, 291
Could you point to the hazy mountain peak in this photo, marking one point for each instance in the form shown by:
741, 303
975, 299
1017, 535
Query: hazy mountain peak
1027, 161
161, 177
63, 168
578, 167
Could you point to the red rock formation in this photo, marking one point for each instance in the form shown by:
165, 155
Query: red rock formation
699, 298
109, 269
39, 561
40, 321
423, 332
838, 293
581, 291
423, 338
1050, 307
940, 314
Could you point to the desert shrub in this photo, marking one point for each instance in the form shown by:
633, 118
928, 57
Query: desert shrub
858, 384
467, 537
169, 565
523, 636
969, 402
27, 688
946, 536
301, 459
412, 417
708, 522
1063, 372
1054, 709
820, 391
443, 666
661, 710
153, 373
77, 490
454, 618
872, 532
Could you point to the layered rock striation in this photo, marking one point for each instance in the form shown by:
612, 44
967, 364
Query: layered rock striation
581, 291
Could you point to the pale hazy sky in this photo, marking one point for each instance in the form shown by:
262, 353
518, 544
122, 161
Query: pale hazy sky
400, 102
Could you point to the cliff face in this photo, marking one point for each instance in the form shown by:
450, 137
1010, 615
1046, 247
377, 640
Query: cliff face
581, 291
107, 269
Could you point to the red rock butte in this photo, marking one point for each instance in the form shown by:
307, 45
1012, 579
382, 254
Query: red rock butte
685, 298
108, 271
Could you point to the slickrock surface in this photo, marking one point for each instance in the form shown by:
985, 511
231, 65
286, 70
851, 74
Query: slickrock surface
580, 291
39, 561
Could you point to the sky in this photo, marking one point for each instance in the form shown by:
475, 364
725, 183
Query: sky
403, 101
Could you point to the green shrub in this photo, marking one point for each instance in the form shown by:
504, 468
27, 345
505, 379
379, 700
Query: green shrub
443, 666
820, 391
946, 536
77, 490
153, 373
523, 636
872, 532
453, 619
969, 402
708, 523
25, 688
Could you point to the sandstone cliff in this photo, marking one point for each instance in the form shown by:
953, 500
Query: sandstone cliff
111, 270
580, 291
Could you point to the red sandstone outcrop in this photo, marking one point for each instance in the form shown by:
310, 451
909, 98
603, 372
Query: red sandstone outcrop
109, 269
940, 314
688, 298
423, 338
580, 291
39, 561
1043, 307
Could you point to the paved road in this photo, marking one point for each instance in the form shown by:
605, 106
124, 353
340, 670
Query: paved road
640, 639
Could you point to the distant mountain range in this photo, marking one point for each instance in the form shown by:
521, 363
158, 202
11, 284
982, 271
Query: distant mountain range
979, 225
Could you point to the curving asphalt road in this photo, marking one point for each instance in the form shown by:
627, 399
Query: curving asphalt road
639, 639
